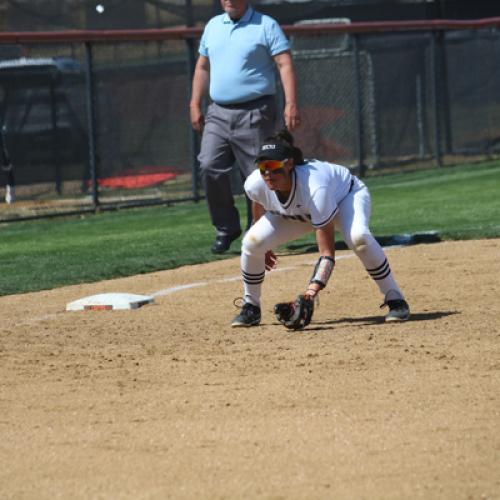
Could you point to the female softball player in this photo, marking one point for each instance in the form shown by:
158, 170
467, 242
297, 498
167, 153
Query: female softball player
292, 196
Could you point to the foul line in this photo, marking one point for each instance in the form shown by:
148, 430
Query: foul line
37, 320
174, 289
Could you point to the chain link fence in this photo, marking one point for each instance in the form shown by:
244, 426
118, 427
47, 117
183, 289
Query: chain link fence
103, 122
52, 15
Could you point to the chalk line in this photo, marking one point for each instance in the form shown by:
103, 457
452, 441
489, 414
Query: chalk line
173, 289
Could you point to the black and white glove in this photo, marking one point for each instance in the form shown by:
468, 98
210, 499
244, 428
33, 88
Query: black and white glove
295, 315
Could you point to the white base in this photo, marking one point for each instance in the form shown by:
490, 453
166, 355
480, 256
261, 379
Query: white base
109, 301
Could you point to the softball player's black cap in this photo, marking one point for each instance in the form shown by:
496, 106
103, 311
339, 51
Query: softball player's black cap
273, 150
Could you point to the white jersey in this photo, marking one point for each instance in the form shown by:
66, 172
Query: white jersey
318, 188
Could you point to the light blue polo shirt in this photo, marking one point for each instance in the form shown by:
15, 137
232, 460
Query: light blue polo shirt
241, 56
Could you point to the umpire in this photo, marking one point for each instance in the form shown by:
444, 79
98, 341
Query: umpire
238, 54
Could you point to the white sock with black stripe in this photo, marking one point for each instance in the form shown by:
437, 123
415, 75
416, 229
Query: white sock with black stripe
253, 272
384, 279
377, 266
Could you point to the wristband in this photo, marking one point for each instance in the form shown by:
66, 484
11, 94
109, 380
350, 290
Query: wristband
322, 271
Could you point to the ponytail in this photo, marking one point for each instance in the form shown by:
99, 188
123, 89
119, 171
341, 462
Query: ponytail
286, 138
280, 147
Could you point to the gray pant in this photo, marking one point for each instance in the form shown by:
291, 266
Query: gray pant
232, 134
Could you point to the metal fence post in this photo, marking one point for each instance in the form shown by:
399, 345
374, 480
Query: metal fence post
437, 100
419, 108
91, 117
359, 108
55, 138
444, 85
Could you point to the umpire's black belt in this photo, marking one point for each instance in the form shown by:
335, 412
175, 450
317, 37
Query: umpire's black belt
247, 104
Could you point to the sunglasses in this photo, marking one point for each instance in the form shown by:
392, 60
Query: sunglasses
271, 165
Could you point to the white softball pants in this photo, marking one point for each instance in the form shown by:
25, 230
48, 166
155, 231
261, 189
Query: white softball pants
352, 220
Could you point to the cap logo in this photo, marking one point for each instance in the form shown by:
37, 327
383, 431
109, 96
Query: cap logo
265, 147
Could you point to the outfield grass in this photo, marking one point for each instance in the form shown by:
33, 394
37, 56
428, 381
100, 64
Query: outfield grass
459, 202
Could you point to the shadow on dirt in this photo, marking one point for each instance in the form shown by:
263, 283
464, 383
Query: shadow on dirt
379, 320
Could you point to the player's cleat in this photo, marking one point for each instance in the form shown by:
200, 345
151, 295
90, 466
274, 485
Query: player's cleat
399, 310
10, 194
223, 242
249, 316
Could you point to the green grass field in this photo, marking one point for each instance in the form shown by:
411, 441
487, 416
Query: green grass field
461, 202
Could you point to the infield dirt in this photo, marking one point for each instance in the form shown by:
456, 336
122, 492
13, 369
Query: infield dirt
168, 401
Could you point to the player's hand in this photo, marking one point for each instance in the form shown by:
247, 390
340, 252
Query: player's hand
271, 260
292, 116
197, 118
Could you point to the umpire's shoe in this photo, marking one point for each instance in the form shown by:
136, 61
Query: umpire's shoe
249, 316
399, 310
223, 242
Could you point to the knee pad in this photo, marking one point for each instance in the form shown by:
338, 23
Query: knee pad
252, 244
359, 241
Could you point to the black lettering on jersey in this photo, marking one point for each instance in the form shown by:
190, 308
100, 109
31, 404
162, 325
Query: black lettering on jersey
301, 217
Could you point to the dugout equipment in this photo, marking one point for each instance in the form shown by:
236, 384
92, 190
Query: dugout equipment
295, 315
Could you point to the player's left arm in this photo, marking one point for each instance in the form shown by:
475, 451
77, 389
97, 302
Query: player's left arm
325, 239
298, 314
286, 70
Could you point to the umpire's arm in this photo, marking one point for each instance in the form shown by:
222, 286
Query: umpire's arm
284, 63
201, 79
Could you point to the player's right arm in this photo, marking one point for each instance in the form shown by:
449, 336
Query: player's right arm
257, 212
254, 188
201, 80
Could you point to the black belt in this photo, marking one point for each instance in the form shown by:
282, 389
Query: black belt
351, 185
246, 104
